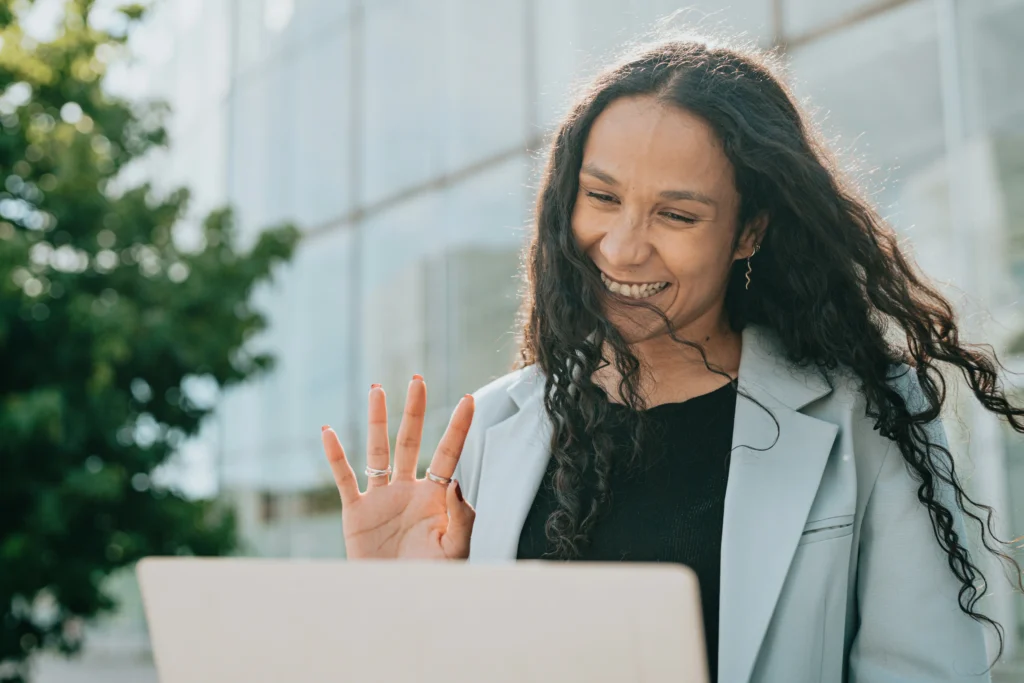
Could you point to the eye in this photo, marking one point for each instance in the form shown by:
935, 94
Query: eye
607, 198
679, 219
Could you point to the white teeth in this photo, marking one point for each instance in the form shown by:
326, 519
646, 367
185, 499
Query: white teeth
634, 291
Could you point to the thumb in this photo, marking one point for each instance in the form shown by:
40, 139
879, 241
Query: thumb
461, 515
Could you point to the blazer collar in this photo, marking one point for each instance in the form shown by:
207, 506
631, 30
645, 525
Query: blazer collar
764, 367
778, 457
529, 384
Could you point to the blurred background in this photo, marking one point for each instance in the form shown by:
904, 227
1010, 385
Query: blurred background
403, 139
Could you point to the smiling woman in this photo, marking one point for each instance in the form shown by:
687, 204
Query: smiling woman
726, 362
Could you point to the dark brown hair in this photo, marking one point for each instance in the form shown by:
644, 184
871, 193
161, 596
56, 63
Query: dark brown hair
832, 284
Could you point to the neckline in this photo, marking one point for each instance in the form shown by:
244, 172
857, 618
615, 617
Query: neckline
714, 393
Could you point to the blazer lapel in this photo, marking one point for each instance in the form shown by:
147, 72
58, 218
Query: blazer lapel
518, 450
774, 473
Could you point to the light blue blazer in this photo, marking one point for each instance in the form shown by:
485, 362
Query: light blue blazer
830, 569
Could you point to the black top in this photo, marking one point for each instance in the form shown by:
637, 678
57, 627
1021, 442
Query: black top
669, 508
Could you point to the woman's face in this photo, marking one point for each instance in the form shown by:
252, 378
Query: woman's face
657, 212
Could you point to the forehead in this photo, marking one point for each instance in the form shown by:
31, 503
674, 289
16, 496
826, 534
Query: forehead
641, 141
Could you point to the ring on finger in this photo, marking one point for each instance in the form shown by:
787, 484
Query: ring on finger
443, 481
372, 472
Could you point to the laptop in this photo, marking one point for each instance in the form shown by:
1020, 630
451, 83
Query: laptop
314, 621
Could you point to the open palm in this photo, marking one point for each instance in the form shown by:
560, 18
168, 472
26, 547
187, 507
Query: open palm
401, 516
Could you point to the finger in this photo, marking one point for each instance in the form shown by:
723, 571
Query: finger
378, 452
461, 515
446, 457
344, 477
410, 432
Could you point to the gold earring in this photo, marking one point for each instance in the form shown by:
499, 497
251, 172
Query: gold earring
750, 268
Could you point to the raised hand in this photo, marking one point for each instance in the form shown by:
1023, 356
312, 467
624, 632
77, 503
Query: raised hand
400, 516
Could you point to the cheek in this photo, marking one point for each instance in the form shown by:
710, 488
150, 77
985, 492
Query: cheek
586, 226
698, 264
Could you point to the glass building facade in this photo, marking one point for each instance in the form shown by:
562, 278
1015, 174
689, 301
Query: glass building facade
405, 138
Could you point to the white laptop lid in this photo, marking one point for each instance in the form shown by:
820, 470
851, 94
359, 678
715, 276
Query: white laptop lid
255, 620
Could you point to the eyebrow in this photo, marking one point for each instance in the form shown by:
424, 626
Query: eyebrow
683, 195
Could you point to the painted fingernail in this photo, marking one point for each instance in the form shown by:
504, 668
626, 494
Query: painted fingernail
419, 377
324, 428
458, 492
375, 386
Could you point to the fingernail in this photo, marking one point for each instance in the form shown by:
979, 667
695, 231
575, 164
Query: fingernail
324, 428
458, 492
375, 386
419, 377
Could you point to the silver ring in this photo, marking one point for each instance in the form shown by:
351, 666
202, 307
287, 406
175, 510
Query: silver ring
443, 481
371, 472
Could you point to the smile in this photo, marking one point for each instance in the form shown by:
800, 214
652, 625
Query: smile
635, 290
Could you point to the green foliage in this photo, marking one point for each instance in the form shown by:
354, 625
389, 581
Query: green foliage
102, 318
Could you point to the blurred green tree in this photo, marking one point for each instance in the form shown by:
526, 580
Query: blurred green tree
102, 320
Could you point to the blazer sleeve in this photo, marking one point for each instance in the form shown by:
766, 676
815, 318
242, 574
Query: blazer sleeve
911, 628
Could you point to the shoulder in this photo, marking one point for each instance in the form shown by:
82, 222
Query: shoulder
903, 379
849, 399
493, 401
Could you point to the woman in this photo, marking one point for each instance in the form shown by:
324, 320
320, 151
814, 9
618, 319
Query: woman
726, 362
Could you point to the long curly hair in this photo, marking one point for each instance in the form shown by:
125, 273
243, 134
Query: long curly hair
832, 284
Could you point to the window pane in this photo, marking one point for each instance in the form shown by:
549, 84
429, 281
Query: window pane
200, 59
404, 98
272, 424
216, 52
265, 31
321, 121
1015, 484
320, 19
402, 266
280, 469
278, 18
876, 90
198, 161
247, 171
441, 292
576, 38
802, 16
280, 142
993, 34
261, 170
486, 219
752, 18
250, 42
402, 249
485, 69
322, 344
993, 39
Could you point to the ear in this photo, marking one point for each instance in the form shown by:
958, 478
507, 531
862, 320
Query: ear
753, 234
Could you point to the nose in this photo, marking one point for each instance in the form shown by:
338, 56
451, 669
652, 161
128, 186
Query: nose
626, 245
